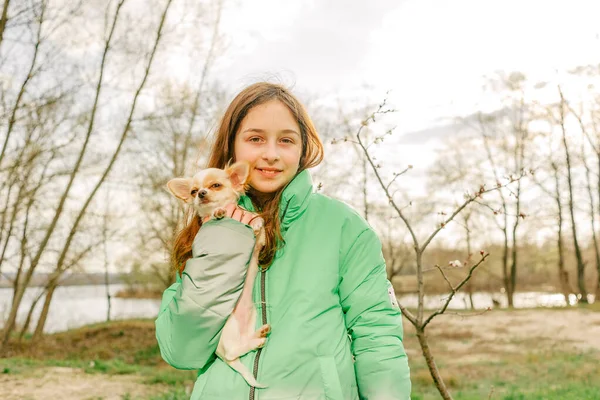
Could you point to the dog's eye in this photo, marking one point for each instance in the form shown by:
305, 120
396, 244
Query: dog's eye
194, 191
216, 185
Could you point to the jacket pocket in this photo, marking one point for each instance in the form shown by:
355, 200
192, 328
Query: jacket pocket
331, 378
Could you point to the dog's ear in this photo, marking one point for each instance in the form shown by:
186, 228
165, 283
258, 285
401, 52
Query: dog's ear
181, 188
238, 174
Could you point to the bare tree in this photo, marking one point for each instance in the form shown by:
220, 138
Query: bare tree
173, 142
420, 320
592, 211
560, 120
39, 38
61, 264
506, 133
555, 193
459, 162
22, 285
595, 146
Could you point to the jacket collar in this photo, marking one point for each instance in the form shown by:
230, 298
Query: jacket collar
294, 199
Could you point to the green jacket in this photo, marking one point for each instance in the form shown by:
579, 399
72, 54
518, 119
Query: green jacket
335, 333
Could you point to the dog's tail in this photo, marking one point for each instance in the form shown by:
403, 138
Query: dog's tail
245, 372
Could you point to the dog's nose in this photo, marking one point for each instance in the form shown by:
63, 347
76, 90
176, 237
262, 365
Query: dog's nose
202, 193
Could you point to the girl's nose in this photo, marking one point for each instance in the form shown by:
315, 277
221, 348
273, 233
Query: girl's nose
271, 154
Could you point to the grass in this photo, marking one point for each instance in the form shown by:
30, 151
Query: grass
536, 372
471, 367
126, 347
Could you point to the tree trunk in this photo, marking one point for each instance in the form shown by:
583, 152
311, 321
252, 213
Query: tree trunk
106, 283
39, 329
469, 285
505, 271
597, 296
504, 228
104, 243
30, 314
4, 19
433, 369
592, 208
578, 255
563, 275
519, 154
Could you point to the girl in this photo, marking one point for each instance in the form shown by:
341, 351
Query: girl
335, 333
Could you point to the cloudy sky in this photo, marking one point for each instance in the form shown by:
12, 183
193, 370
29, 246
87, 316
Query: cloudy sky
432, 54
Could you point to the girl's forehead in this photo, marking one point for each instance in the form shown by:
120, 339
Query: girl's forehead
271, 112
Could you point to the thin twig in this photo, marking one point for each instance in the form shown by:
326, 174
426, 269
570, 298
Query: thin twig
470, 314
396, 175
445, 277
454, 290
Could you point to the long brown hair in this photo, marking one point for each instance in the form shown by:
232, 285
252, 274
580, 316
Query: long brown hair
222, 152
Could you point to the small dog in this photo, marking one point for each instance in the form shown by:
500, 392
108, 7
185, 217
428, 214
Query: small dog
209, 191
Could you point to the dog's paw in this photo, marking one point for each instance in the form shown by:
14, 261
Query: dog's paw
257, 224
219, 213
263, 331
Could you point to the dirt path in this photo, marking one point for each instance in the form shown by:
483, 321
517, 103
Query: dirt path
73, 384
496, 332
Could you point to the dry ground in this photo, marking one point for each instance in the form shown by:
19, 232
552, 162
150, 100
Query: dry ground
456, 340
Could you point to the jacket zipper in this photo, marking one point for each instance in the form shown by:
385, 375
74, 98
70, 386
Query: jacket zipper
263, 301
263, 275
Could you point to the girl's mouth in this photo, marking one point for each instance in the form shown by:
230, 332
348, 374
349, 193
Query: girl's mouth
269, 173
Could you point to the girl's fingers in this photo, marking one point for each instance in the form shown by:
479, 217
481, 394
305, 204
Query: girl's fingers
230, 208
248, 217
239, 214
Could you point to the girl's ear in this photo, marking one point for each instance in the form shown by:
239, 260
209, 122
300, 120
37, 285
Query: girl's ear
181, 188
238, 174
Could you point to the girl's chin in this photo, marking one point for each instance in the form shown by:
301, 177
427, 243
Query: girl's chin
266, 186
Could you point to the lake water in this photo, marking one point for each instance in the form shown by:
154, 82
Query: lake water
74, 306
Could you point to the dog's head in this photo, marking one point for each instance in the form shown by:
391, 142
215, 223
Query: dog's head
211, 188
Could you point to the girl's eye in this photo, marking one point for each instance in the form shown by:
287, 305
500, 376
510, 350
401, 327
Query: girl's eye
194, 191
216, 185
286, 140
254, 139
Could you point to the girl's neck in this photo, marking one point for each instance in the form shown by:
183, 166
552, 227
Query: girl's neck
260, 199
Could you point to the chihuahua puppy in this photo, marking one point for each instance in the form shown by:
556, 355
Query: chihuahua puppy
208, 192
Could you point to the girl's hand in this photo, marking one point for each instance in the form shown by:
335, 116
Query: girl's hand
236, 212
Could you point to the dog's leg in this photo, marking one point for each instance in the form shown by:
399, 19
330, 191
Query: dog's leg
246, 345
245, 372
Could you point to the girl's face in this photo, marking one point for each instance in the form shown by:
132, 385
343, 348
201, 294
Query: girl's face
269, 138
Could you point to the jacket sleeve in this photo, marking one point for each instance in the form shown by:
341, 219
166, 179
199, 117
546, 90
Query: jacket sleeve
195, 308
373, 322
